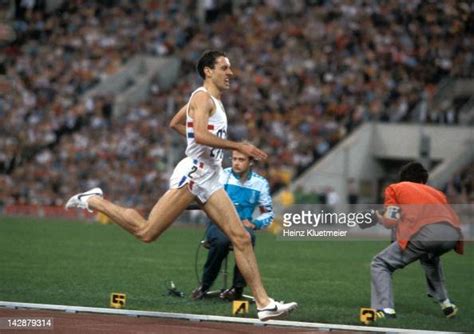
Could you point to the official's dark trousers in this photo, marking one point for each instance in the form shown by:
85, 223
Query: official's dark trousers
219, 248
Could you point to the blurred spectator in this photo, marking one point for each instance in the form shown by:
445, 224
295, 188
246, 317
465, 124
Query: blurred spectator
460, 189
352, 192
332, 199
286, 197
299, 195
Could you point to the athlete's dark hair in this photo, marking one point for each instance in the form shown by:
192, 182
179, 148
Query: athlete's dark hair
414, 172
208, 59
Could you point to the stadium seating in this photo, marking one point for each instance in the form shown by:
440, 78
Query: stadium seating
305, 77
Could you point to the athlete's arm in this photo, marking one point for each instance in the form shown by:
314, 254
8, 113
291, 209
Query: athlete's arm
178, 122
200, 108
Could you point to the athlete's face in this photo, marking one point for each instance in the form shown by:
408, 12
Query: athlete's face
240, 162
221, 73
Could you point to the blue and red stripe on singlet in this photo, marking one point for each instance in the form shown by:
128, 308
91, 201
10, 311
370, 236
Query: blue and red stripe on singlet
190, 132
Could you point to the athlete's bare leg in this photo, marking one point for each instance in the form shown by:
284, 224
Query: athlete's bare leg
163, 214
220, 210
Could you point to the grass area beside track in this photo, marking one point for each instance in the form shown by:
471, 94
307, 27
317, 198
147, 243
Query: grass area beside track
76, 263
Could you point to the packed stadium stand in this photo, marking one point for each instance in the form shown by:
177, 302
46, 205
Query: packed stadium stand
307, 73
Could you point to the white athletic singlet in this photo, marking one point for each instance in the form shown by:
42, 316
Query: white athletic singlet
217, 125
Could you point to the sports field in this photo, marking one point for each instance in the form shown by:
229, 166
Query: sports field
77, 263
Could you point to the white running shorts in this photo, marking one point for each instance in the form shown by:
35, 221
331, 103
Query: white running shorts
202, 179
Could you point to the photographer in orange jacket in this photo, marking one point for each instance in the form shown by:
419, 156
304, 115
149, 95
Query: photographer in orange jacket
426, 228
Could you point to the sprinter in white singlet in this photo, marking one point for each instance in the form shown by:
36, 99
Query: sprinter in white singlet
200, 170
204, 123
217, 125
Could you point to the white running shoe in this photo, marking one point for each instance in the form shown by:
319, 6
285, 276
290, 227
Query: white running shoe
80, 200
386, 312
449, 309
275, 310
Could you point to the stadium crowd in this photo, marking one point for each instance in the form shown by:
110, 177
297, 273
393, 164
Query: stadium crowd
306, 74
460, 189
